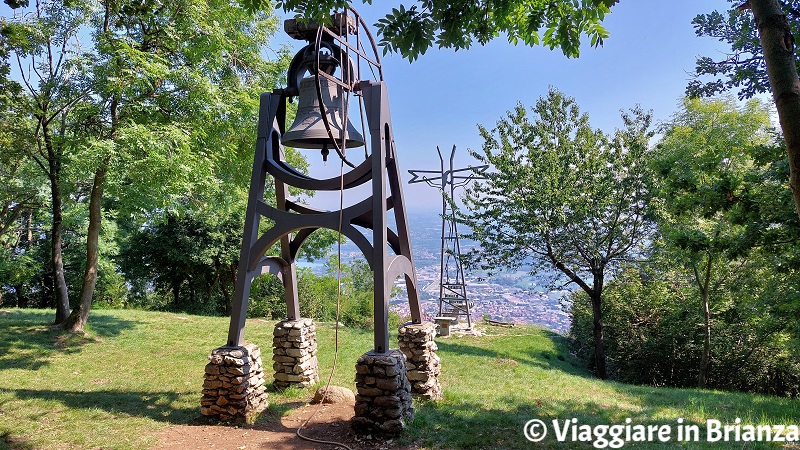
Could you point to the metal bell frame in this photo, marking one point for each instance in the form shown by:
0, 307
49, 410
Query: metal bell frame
295, 222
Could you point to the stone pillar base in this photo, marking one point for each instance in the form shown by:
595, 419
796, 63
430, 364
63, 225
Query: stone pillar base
294, 353
383, 402
423, 365
234, 384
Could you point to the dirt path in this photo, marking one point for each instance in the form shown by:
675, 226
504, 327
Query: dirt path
332, 423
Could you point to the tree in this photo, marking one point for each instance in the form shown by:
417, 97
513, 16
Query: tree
704, 167
191, 257
45, 43
19, 192
764, 58
709, 304
189, 261
150, 118
651, 332
162, 71
653, 337
561, 196
20, 198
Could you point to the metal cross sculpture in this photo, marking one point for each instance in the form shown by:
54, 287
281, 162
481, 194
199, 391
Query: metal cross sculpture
453, 299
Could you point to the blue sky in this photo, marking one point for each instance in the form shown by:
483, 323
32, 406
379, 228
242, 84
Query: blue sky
440, 98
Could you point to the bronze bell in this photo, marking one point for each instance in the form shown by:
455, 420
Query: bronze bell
308, 129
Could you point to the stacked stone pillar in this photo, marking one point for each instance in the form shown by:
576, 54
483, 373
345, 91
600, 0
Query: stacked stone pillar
294, 353
383, 402
234, 384
423, 365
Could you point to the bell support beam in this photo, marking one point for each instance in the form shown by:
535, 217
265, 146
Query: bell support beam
401, 223
356, 177
271, 108
290, 270
311, 219
376, 104
377, 118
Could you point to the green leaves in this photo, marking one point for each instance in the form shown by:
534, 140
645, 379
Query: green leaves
705, 168
560, 198
162, 95
189, 257
559, 191
596, 34
415, 26
724, 209
409, 32
318, 11
743, 70
725, 257
14, 4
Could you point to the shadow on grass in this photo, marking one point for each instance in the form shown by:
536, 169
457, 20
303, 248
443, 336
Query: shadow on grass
13, 443
456, 424
716, 404
277, 410
557, 359
154, 405
28, 339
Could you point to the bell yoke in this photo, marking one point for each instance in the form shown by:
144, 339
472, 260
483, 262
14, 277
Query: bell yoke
322, 123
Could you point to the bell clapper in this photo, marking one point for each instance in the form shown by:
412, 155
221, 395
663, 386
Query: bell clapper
325, 153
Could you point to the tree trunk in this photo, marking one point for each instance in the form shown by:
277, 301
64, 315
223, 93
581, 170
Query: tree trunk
702, 379
57, 230
176, 291
227, 296
18, 298
77, 320
80, 315
597, 316
56, 238
29, 228
704, 285
22, 299
777, 43
595, 293
228, 278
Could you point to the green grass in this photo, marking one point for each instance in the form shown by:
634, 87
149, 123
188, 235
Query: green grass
136, 372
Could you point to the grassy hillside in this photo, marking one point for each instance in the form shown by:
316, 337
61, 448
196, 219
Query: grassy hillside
136, 372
